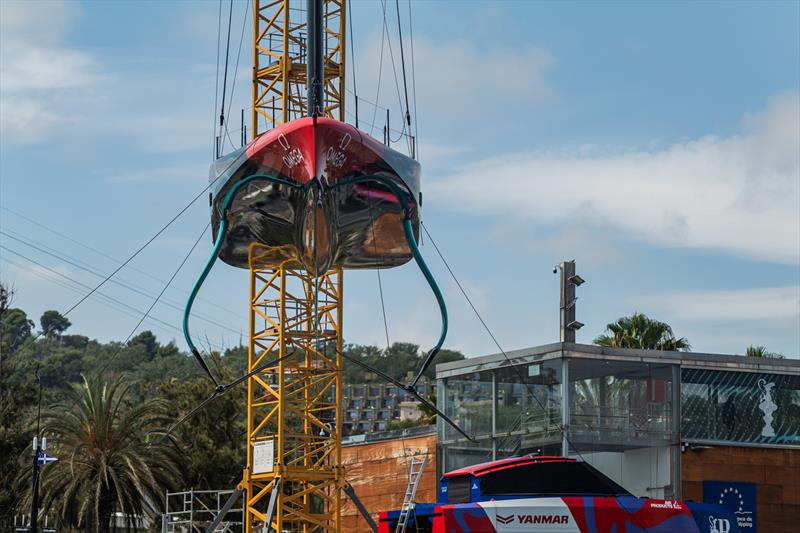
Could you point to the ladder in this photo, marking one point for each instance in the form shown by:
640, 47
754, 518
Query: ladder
417, 467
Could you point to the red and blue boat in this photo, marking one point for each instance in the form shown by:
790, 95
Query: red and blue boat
536, 494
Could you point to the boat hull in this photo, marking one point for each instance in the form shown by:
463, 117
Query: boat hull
321, 222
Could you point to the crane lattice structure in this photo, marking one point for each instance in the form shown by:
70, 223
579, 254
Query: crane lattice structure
279, 61
293, 478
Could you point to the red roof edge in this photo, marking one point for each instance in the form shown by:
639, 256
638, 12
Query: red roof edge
503, 464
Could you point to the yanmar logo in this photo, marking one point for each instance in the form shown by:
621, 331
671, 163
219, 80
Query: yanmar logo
534, 519
505, 519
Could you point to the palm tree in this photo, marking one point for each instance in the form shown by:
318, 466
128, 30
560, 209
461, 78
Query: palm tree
640, 331
761, 351
111, 456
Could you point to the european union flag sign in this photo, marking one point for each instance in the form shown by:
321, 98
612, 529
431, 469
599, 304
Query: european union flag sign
740, 498
44, 459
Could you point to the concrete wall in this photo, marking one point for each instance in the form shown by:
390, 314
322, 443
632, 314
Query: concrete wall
643, 471
378, 472
776, 473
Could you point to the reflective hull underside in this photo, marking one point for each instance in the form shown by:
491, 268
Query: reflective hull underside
323, 223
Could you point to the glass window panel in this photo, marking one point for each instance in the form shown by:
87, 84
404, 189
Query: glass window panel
468, 402
528, 407
740, 407
620, 402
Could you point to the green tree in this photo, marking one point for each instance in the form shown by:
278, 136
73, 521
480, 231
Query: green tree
213, 440
15, 328
54, 323
148, 342
17, 396
761, 351
112, 457
640, 331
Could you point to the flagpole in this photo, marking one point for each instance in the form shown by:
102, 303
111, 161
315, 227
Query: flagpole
36, 452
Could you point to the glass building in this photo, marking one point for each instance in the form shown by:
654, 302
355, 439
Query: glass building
630, 413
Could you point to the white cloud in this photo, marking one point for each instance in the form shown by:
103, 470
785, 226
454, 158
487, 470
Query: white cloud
27, 66
728, 305
40, 78
451, 77
740, 193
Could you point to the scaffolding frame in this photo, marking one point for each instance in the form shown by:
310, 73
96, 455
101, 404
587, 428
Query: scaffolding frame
193, 511
293, 421
279, 62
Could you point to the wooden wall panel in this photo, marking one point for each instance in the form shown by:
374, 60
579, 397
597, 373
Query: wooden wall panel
378, 472
776, 473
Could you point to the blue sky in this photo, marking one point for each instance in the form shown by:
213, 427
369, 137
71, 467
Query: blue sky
658, 144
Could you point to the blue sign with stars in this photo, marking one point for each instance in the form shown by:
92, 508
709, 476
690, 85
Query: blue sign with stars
740, 498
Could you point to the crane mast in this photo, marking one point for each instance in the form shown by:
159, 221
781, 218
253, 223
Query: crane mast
293, 478
280, 53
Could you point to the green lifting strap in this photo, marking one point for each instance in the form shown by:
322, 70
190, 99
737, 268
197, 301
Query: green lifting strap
223, 228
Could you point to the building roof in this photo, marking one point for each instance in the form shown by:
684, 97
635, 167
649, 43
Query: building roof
558, 350
482, 469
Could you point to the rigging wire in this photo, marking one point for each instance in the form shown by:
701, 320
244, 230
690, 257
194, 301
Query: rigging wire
155, 300
353, 59
216, 88
380, 75
236, 70
394, 68
562, 430
403, 62
221, 140
415, 138
491, 334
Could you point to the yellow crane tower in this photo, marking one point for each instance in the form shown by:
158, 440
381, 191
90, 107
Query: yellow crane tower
293, 477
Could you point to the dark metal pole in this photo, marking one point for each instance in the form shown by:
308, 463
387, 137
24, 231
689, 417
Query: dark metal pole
315, 74
567, 301
36, 451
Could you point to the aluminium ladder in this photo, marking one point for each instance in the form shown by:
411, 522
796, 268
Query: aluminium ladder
417, 467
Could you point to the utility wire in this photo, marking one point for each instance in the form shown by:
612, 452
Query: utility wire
107, 256
155, 301
130, 287
139, 250
115, 303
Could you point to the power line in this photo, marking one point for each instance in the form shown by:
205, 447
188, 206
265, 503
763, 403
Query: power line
107, 256
140, 249
107, 300
130, 287
155, 301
